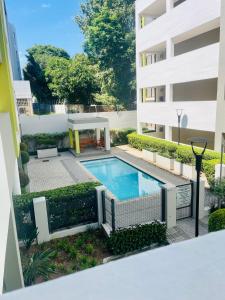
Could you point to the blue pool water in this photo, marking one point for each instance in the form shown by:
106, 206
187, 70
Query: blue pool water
122, 179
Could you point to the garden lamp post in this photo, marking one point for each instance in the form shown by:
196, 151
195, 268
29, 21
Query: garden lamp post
179, 115
198, 167
221, 157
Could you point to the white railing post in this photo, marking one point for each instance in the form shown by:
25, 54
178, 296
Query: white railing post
41, 219
99, 190
170, 205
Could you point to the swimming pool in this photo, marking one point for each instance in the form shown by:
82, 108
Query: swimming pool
122, 179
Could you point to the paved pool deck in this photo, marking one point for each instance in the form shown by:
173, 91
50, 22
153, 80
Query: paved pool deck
64, 170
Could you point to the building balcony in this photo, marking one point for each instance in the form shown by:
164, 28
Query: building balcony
198, 115
190, 66
189, 18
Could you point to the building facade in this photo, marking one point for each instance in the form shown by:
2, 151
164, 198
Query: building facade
11, 276
181, 69
23, 97
14, 52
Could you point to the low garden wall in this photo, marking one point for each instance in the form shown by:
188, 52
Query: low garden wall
66, 207
179, 153
61, 140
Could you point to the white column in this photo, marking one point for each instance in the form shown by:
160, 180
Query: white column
217, 171
16, 183
202, 211
169, 49
107, 138
168, 133
171, 205
98, 134
99, 190
169, 5
41, 219
220, 125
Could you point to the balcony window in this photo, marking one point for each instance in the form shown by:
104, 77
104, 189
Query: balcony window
153, 94
153, 12
153, 55
196, 42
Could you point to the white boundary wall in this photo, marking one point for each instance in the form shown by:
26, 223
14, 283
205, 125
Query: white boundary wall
58, 122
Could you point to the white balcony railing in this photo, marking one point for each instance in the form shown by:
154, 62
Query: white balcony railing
195, 65
192, 15
199, 115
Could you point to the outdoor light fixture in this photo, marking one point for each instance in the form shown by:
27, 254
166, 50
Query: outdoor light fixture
179, 115
198, 167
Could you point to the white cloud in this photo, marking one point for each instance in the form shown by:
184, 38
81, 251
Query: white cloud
45, 5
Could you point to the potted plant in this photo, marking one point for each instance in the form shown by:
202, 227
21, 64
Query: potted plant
149, 155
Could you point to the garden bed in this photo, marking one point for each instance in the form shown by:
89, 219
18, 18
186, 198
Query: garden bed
71, 254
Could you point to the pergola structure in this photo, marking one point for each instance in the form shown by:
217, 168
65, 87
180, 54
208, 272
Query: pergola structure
94, 123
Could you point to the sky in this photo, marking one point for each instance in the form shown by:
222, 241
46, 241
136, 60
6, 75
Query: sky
45, 22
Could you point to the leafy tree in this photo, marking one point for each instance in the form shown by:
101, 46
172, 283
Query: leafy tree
34, 71
108, 27
74, 81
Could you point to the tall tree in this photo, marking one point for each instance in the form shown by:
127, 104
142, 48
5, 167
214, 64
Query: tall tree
108, 27
37, 60
73, 81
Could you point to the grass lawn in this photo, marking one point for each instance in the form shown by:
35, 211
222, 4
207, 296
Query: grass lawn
71, 254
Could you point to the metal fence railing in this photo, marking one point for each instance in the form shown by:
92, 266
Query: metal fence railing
184, 198
122, 214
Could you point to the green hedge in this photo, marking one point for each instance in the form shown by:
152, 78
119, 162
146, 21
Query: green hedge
137, 237
182, 153
24, 157
119, 137
217, 220
68, 206
24, 179
44, 140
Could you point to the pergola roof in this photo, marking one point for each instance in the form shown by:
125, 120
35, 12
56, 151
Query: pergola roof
88, 123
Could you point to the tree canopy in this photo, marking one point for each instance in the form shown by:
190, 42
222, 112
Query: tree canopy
37, 60
73, 81
108, 27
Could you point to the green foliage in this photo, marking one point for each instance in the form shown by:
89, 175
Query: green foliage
108, 27
218, 189
182, 153
73, 81
135, 238
24, 157
23, 147
38, 57
89, 249
24, 179
30, 237
217, 220
38, 265
44, 140
68, 206
119, 137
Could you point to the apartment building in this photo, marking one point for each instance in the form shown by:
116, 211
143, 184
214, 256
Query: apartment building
10, 266
14, 52
181, 69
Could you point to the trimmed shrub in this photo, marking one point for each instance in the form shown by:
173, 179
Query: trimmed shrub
44, 140
24, 157
68, 206
137, 237
23, 147
217, 220
24, 179
182, 153
119, 137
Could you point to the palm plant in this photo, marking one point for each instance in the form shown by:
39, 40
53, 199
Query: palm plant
38, 265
